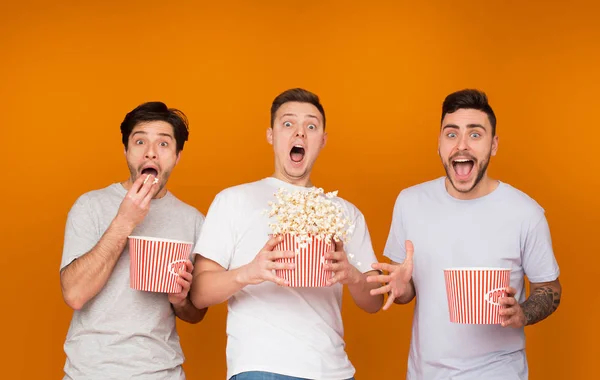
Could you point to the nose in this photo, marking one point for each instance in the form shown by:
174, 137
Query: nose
300, 132
150, 152
462, 143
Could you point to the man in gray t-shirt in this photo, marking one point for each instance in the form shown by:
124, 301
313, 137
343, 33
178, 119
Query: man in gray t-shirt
117, 332
467, 219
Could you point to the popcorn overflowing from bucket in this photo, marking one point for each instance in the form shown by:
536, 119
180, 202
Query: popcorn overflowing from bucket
308, 213
310, 221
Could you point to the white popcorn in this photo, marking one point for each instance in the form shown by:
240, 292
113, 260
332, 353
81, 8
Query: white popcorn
154, 182
306, 213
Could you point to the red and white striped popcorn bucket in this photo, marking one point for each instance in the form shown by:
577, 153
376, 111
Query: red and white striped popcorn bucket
473, 294
309, 262
155, 263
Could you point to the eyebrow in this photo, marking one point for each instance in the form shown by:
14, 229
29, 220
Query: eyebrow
145, 133
469, 126
294, 115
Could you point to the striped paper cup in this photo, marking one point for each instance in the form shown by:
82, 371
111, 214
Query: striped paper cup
155, 263
309, 262
473, 294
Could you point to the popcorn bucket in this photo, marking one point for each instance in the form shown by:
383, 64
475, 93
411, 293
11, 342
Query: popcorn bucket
473, 294
155, 263
309, 261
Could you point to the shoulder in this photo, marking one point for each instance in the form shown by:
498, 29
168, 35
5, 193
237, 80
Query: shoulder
429, 189
519, 202
185, 208
99, 195
349, 208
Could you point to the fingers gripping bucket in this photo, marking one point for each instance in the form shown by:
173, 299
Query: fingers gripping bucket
309, 261
474, 293
155, 263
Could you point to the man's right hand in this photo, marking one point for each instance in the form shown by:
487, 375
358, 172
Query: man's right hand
261, 268
136, 203
397, 283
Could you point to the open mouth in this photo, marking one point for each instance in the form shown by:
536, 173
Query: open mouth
297, 153
463, 167
150, 170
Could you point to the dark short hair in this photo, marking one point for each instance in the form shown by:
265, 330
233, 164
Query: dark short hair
296, 95
469, 99
156, 111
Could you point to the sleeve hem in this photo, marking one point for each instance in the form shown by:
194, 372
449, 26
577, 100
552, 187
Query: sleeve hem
547, 278
213, 257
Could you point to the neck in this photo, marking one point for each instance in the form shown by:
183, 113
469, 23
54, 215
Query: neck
485, 186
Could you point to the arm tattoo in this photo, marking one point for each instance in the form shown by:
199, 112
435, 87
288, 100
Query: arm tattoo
540, 304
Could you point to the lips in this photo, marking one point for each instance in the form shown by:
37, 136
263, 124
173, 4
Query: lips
150, 169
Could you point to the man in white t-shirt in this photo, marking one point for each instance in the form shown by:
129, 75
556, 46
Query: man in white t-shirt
275, 331
467, 219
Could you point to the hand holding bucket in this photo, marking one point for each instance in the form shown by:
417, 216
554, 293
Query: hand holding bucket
474, 293
154, 261
310, 262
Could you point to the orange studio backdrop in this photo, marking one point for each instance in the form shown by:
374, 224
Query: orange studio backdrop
71, 70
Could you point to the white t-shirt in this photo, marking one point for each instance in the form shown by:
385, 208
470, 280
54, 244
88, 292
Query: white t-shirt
290, 331
505, 228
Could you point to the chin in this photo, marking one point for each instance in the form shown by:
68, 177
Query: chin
463, 187
294, 170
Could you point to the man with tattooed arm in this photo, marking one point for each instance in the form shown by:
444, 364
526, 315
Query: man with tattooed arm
468, 219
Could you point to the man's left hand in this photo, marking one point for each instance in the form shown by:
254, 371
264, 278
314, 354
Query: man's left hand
344, 271
511, 310
185, 280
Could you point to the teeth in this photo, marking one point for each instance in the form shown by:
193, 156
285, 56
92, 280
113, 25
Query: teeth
462, 160
298, 146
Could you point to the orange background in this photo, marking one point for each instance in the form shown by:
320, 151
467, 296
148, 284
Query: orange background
70, 72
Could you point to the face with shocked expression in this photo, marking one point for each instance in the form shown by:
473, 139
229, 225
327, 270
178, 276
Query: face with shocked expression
297, 136
465, 147
151, 150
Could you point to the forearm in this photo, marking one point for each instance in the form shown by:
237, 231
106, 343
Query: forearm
188, 312
213, 287
542, 301
361, 294
408, 295
82, 279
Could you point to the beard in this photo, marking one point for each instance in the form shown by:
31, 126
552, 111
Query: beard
481, 170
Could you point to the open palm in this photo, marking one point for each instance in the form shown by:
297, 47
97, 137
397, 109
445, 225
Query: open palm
397, 282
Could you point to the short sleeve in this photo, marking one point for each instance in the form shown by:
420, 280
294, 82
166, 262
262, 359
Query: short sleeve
539, 263
81, 232
217, 236
394, 246
359, 246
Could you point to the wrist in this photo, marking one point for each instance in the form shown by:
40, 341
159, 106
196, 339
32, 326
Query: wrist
526, 317
179, 304
122, 224
357, 278
241, 276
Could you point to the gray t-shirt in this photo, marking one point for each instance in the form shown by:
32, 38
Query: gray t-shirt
123, 333
505, 228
